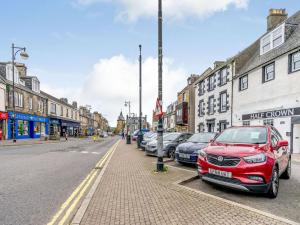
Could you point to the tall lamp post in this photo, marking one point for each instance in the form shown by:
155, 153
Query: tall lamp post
160, 131
14, 51
140, 135
128, 136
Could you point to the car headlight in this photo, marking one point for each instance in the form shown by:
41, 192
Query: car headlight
255, 158
177, 150
202, 153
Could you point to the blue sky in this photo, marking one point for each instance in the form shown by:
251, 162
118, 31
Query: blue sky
73, 44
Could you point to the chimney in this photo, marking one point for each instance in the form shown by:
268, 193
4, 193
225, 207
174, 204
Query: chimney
218, 63
276, 16
65, 100
74, 104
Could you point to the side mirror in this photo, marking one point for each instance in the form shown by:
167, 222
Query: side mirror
282, 143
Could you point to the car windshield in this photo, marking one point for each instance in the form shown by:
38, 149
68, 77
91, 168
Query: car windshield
245, 135
202, 137
171, 137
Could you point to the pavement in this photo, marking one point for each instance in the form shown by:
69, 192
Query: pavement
296, 158
36, 179
131, 192
23, 142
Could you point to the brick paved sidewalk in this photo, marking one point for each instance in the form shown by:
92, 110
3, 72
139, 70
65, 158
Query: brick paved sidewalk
296, 158
131, 193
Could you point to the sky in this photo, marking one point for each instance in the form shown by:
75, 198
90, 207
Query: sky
87, 50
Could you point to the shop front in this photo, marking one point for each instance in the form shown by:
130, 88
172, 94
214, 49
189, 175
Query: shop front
54, 129
69, 127
27, 126
3, 125
286, 121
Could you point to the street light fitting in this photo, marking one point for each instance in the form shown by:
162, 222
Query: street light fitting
24, 55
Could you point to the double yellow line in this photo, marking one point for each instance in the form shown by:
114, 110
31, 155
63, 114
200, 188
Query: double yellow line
69, 205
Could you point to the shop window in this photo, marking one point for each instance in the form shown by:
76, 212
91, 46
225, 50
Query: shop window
269, 72
22, 127
269, 122
37, 128
246, 123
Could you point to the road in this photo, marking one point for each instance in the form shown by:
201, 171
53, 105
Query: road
36, 180
287, 203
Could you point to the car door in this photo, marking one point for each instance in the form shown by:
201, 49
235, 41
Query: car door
280, 153
284, 151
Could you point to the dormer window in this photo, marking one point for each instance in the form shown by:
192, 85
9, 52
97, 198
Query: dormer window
272, 40
35, 85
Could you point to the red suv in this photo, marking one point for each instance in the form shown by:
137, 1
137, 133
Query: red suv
246, 158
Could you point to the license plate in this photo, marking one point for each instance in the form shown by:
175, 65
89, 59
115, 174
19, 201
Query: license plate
184, 156
220, 173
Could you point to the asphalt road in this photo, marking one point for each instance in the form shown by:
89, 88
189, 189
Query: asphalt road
287, 203
36, 180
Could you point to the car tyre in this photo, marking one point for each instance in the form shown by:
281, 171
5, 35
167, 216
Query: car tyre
274, 186
288, 171
172, 153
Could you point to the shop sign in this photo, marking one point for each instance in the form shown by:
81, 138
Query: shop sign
28, 117
54, 121
272, 114
3, 116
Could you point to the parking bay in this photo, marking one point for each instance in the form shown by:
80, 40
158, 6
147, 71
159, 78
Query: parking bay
287, 203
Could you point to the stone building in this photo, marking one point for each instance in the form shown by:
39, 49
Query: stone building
185, 111
120, 124
3, 113
29, 120
170, 118
63, 117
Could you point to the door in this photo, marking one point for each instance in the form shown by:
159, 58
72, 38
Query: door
296, 139
211, 127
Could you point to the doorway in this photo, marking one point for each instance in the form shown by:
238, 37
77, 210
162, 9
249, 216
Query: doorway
296, 139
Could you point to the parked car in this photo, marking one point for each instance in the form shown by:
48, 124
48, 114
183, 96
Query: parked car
188, 152
247, 158
170, 142
136, 133
147, 139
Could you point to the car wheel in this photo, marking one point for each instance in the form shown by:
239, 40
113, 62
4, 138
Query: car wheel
172, 153
288, 171
274, 187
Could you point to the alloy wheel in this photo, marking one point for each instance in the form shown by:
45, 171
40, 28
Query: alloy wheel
275, 182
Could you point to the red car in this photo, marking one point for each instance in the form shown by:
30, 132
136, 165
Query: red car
246, 158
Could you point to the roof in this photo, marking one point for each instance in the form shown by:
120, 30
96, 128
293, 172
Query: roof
292, 42
56, 99
121, 117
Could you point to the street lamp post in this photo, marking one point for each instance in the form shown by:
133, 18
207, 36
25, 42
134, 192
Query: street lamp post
140, 135
24, 56
160, 131
128, 136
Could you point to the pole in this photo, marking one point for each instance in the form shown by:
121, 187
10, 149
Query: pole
140, 135
160, 162
128, 136
13, 79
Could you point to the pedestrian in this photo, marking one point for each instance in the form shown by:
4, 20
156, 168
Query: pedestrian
66, 136
123, 135
95, 137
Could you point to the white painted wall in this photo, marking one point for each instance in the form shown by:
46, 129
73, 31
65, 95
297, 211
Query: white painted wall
2, 97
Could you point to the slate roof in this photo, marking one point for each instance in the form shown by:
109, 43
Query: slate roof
292, 42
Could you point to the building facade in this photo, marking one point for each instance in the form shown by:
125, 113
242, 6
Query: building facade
63, 117
213, 98
185, 110
170, 118
120, 124
28, 119
3, 113
266, 89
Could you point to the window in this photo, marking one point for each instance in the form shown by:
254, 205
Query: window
61, 110
246, 123
201, 127
201, 88
223, 126
67, 113
183, 97
272, 40
294, 62
269, 122
243, 82
41, 106
201, 108
18, 99
211, 105
211, 83
269, 72
22, 127
53, 108
223, 76
223, 102
30, 103
35, 85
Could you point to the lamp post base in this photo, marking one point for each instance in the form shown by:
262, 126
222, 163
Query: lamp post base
139, 140
14, 141
128, 139
160, 164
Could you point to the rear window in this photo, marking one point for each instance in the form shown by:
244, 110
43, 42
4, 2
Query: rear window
244, 135
202, 137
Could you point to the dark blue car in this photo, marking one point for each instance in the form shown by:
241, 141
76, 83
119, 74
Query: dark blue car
188, 152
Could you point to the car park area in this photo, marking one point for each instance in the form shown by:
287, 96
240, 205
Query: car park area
287, 203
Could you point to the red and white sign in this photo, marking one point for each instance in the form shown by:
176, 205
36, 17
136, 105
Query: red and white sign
3, 116
158, 109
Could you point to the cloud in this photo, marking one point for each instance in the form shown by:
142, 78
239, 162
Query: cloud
132, 10
114, 80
